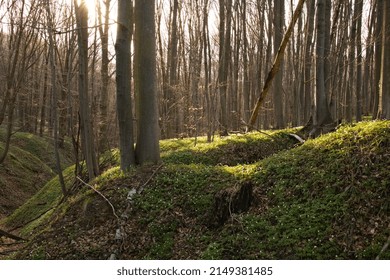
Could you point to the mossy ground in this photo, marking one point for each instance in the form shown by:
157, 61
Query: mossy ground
326, 199
28, 165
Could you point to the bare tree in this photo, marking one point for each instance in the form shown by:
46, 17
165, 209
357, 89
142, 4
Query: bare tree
276, 65
52, 56
104, 34
87, 142
22, 50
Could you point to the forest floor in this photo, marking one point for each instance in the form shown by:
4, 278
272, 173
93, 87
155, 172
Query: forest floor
327, 198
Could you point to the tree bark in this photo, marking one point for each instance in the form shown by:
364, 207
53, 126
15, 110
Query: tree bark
321, 114
359, 97
123, 84
52, 58
103, 105
87, 142
378, 55
278, 85
384, 93
224, 55
147, 145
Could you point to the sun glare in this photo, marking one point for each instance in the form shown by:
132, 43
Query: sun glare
91, 5
92, 10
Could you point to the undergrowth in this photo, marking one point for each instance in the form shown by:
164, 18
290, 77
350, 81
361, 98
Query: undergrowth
326, 199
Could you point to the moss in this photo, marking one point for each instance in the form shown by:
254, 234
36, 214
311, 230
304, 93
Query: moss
35, 210
325, 199
41, 147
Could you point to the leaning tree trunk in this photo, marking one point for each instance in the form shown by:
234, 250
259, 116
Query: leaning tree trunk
276, 65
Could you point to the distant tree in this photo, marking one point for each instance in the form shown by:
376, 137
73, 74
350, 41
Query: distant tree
308, 68
87, 141
52, 58
104, 34
171, 96
276, 65
225, 25
148, 135
358, 15
20, 55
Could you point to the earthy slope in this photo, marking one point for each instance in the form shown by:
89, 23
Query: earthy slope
326, 199
28, 166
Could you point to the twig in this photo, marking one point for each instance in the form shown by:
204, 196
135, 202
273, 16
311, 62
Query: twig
6, 253
141, 188
32, 220
384, 248
10, 235
297, 137
11, 244
99, 193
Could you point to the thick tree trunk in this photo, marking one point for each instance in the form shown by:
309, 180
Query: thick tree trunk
147, 146
123, 84
321, 114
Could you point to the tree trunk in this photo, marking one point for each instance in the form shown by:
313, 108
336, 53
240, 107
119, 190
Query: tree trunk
321, 115
123, 84
87, 142
378, 55
308, 69
351, 72
359, 97
52, 58
147, 146
278, 85
224, 55
384, 93
103, 31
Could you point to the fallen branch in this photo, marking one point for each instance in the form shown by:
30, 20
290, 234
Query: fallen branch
384, 248
10, 235
11, 244
297, 137
141, 188
6, 253
99, 193
32, 220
